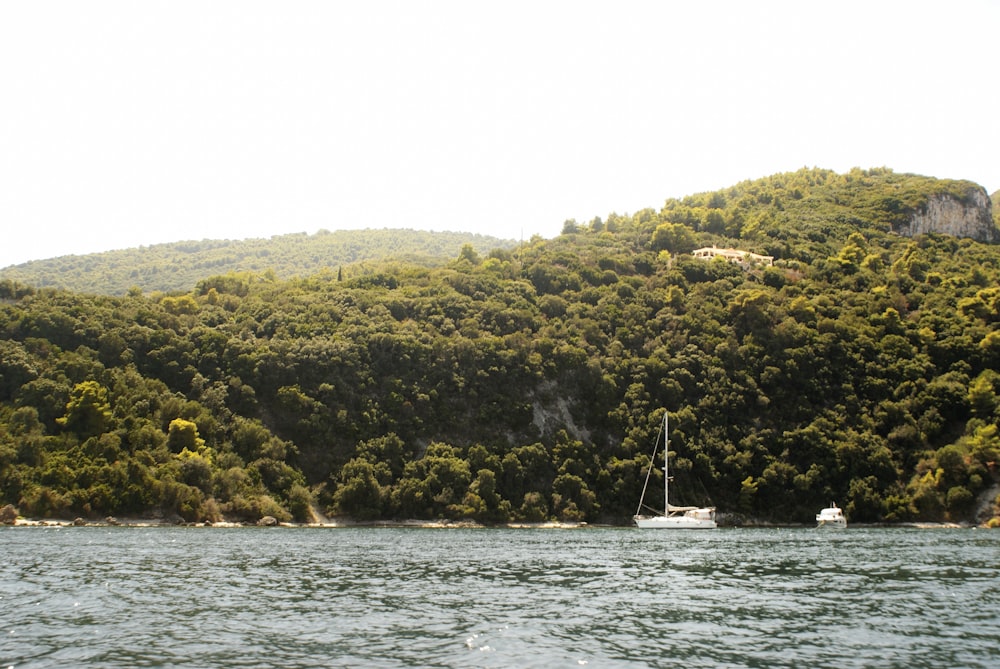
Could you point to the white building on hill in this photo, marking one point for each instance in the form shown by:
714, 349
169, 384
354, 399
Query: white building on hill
735, 256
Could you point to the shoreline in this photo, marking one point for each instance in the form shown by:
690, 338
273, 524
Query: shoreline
333, 524
427, 524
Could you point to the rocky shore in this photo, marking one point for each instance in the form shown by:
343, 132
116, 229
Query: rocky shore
9, 516
267, 521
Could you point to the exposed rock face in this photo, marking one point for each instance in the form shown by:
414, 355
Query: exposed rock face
946, 215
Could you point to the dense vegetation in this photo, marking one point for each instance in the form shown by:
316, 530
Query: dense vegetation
181, 265
863, 367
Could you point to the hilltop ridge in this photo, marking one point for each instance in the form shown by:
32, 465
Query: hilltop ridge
178, 266
908, 204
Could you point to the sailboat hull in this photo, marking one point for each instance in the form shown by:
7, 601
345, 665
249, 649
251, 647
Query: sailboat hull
685, 522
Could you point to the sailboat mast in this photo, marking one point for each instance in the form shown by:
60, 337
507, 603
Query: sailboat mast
666, 460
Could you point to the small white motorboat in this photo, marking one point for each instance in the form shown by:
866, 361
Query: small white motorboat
832, 517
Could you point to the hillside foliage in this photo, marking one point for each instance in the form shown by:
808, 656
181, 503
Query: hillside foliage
528, 384
181, 265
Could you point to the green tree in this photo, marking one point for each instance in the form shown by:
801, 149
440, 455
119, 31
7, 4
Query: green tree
359, 493
88, 412
183, 435
674, 237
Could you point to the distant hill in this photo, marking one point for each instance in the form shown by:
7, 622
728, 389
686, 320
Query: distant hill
179, 266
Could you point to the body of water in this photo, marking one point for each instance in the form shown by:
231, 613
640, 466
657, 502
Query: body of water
596, 597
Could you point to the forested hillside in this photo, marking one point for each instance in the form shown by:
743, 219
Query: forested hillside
529, 383
181, 265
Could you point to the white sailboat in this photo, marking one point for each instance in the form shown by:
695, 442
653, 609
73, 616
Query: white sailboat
673, 517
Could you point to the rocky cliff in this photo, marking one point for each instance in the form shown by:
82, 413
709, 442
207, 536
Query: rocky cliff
970, 216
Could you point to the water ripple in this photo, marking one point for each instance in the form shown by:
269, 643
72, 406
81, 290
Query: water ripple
259, 597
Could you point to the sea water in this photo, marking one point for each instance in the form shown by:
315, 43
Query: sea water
589, 597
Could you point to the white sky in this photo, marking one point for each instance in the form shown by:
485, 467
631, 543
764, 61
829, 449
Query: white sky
134, 123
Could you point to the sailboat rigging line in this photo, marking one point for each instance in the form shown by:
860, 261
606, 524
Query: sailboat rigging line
649, 472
